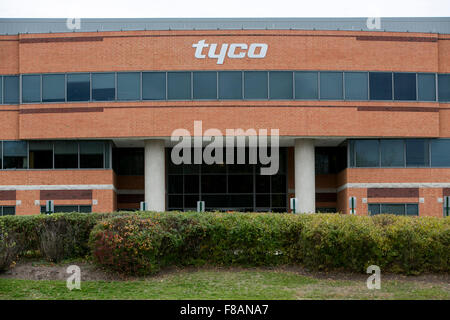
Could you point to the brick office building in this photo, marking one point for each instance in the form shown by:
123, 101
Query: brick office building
363, 114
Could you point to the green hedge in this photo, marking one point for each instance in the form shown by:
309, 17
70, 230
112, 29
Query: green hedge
321, 242
143, 243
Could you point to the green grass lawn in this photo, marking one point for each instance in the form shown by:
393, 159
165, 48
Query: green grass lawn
201, 284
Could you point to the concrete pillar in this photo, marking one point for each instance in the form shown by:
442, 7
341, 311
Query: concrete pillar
154, 168
305, 182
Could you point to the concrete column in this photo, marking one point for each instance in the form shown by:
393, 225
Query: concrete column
305, 182
154, 168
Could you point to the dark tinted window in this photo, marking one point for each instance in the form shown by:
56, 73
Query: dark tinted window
380, 85
78, 87
53, 88
374, 209
426, 83
14, 154
41, 155
230, 85
367, 153
91, 154
66, 154
404, 86
66, 209
412, 209
128, 86
103, 87
11, 89
154, 85
417, 153
356, 86
392, 153
31, 88
440, 153
280, 83
205, 85
306, 85
255, 85
444, 87
179, 85
331, 85
397, 209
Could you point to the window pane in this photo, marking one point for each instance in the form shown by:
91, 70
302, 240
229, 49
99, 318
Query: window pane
417, 153
41, 155
14, 154
404, 86
66, 154
128, 86
392, 153
205, 85
1, 90
255, 85
31, 88
444, 87
281, 85
374, 209
230, 85
103, 87
154, 86
367, 153
440, 153
86, 209
91, 154
9, 211
427, 86
412, 209
356, 86
306, 85
11, 89
331, 85
397, 209
380, 85
179, 85
53, 88
66, 209
78, 87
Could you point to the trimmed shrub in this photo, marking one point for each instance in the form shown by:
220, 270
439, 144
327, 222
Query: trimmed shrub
10, 247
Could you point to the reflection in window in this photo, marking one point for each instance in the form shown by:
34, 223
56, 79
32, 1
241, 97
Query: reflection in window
78, 87
356, 85
205, 85
404, 86
444, 87
128, 86
392, 153
306, 85
380, 84
230, 85
53, 88
255, 85
440, 153
366, 153
426, 83
408, 209
281, 86
11, 89
31, 88
331, 85
179, 85
417, 153
153, 85
15, 154
103, 87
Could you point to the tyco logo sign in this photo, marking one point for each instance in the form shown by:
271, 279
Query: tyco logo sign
232, 51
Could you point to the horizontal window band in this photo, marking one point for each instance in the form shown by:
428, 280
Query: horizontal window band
394, 185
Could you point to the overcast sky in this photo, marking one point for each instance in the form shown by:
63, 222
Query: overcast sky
221, 8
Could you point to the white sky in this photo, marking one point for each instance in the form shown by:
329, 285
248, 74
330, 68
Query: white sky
223, 8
